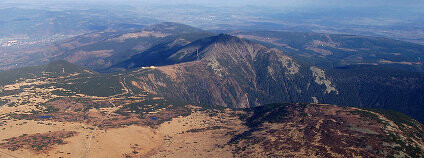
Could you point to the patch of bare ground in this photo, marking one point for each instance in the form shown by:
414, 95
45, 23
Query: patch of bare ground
382, 61
201, 134
106, 142
14, 128
114, 142
140, 34
121, 142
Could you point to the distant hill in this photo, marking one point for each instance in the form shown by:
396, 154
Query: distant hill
162, 53
99, 51
336, 50
52, 69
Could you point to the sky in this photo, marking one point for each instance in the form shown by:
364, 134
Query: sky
320, 15
305, 3
268, 3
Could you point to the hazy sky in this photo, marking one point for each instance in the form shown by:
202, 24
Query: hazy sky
270, 3
299, 3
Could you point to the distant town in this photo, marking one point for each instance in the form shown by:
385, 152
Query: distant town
16, 42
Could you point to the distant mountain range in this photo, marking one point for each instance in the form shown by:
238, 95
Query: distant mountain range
204, 68
338, 50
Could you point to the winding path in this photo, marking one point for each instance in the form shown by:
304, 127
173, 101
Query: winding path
96, 128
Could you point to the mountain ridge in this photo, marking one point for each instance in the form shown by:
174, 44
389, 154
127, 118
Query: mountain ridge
227, 61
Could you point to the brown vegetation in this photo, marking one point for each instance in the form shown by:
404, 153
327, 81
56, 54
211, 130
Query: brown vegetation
37, 142
329, 131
